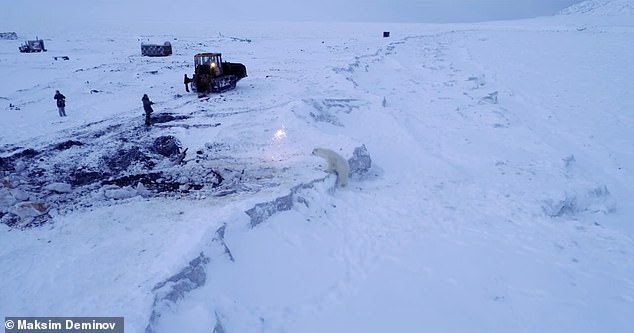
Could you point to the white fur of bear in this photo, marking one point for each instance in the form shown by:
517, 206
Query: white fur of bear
336, 164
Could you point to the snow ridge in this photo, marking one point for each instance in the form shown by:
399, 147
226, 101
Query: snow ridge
176, 287
601, 8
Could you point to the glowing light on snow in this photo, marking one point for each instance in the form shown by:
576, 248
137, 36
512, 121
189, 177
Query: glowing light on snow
276, 146
279, 135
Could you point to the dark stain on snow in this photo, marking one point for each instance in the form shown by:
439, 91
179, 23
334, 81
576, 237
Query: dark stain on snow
67, 144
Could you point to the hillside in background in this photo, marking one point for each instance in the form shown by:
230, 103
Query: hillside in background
601, 8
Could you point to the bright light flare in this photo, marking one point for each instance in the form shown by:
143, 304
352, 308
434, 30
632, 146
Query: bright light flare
279, 135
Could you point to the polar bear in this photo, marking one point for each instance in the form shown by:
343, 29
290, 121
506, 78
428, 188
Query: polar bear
336, 164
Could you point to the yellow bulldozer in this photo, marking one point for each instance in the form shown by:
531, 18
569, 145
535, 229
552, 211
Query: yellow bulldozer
212, 75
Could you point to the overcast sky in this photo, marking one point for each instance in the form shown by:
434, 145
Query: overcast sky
424, 11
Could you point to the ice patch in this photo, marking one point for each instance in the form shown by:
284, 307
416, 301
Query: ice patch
581, 201
360, 162
174, 288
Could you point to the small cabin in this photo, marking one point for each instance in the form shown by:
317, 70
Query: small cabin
156, 50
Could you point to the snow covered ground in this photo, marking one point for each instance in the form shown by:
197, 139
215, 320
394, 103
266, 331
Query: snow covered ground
499, 197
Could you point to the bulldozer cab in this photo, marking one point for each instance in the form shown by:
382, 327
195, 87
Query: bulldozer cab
208, 63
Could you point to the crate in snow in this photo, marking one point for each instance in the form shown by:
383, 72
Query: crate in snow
156, 50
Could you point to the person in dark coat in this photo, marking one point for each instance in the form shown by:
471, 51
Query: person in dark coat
61, 103
186, 81
147, 106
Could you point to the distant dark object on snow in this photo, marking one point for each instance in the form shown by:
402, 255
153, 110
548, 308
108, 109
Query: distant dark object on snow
156, 50
167, 146
61, 57
31, 46
8, 35
162, 118
67, 144
386, 34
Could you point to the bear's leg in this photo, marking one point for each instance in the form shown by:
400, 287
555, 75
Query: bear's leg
342, 178
332, 167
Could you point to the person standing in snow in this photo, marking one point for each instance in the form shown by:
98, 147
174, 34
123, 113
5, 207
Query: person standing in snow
187, 80
147, 106
61, 103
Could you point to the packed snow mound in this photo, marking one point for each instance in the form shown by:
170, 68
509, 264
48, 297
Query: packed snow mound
601, 8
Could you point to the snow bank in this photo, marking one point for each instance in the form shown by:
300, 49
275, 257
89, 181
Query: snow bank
601, 8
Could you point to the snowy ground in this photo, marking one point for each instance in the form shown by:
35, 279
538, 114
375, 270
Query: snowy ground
499, 197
